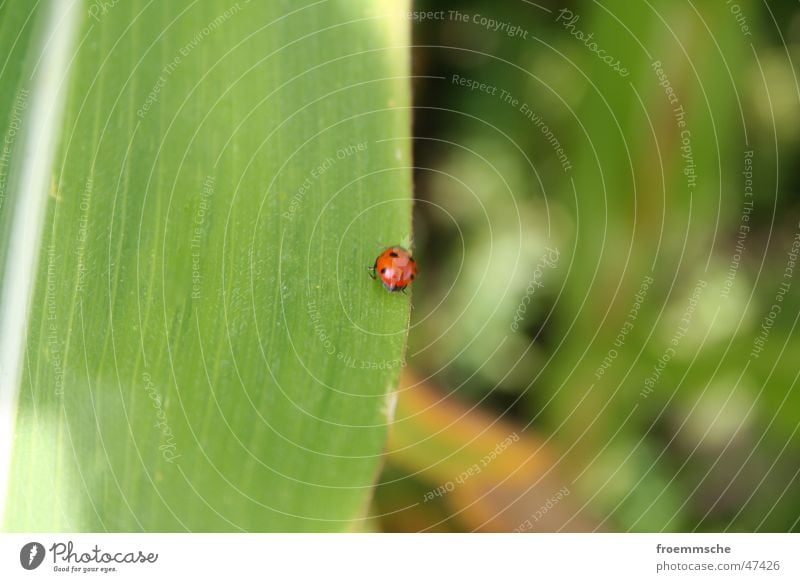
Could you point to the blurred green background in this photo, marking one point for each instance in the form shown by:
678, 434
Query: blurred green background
605, 219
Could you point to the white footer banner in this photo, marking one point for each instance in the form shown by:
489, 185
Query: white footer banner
401, 557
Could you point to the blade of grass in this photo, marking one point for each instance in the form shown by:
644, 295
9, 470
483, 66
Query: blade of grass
205, 350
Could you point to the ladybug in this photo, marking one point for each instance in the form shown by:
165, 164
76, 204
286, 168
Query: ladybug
396, 268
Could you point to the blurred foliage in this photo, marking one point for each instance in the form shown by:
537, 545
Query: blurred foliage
713, 445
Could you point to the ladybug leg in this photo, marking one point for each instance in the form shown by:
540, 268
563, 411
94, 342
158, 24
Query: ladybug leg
371, 270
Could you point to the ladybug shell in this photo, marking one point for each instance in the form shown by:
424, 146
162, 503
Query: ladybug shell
396, 268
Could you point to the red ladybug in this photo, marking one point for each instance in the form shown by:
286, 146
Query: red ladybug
396, 268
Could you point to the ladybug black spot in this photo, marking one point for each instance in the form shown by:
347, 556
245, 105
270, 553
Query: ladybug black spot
393, 254
383, 270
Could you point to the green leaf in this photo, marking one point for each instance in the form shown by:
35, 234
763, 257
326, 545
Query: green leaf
205, 349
